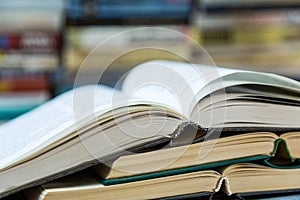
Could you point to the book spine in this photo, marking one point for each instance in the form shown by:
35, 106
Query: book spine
23, 83
161, 9
266, 27
31, 41
127, 12
246, 35
217, 6
129, 9
33, 62
83, 40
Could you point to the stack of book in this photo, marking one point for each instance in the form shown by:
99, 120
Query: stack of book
30, 49
259, 35
219, 132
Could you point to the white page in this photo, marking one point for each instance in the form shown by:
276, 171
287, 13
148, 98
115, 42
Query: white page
182, 85
173, 84
254, 78
48, 123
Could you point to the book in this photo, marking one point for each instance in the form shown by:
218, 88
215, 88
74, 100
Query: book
127, 12
126, 41
265, 195
222, 29
257, 57
91, 124
276, 151
30, 42
23, 83
240, 6
30, 62
253, 177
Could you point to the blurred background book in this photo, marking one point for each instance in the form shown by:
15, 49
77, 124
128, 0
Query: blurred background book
44, 44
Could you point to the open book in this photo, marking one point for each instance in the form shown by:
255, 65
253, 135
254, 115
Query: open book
90, 124
275, 151
237, 178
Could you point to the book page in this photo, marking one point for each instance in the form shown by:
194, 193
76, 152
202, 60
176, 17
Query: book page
46, 124
269, 85
170, 83
182, 85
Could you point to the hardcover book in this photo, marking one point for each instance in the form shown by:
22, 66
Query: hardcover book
235, 179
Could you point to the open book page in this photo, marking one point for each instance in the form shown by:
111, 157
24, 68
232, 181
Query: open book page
31, 132
173, 84
253, 78
183, 85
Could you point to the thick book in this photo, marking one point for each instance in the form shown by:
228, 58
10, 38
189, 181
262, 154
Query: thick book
272, 150
91, 124
235, 179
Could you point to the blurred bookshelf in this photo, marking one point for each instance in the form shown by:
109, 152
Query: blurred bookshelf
44, 44
31, 37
